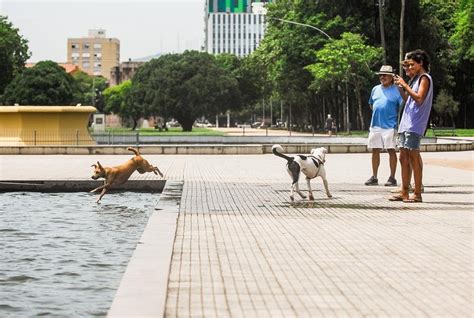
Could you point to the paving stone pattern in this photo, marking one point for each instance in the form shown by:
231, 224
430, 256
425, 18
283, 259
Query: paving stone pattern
242, 250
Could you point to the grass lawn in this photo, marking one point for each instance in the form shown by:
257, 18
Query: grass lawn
459, 133
199, 131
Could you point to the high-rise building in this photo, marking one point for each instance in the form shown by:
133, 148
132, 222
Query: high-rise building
234, 26
95, 54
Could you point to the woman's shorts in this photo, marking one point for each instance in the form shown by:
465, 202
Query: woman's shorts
382, 138
409, 140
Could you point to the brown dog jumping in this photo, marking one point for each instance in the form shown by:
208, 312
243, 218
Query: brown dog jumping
119, 174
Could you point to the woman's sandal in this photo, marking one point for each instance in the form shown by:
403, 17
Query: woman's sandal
397, 198
413, 199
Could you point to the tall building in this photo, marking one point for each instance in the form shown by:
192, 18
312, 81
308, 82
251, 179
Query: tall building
234, 26
95, 54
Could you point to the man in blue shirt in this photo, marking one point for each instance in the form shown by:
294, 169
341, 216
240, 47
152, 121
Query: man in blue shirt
385, 101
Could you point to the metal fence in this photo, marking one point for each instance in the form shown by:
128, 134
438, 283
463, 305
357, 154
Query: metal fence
84, 138
34, 137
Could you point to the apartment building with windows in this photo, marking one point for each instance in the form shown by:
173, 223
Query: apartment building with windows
95, 54
234, 26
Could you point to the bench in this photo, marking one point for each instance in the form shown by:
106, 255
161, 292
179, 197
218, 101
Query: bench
444, 131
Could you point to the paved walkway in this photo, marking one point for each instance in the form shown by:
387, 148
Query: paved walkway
242, 250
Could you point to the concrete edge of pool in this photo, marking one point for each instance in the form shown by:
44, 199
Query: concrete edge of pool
143, 288
152, 186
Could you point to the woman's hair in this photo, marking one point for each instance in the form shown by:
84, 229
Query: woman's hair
420, 57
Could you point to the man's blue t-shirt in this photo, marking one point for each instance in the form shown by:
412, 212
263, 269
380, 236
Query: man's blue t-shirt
385, 103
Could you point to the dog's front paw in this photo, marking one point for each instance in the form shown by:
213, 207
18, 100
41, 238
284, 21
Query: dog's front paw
311, 198
329, 195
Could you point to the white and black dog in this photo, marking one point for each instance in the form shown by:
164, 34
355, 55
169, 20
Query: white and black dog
311, 165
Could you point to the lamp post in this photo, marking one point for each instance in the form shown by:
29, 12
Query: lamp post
305, 25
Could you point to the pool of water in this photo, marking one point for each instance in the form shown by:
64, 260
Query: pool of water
64, 255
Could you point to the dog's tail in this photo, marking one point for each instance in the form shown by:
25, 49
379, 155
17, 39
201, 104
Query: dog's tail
278, 151
134, 150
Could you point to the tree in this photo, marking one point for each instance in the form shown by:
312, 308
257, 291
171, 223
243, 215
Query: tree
462, 39
442, 28
117, 101
13, 52
245, 73
401, 48
463, 35
347, 60
185, 87
88, 87
382, 29
46, 83
446, 106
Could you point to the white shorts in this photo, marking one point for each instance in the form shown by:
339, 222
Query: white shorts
382, 138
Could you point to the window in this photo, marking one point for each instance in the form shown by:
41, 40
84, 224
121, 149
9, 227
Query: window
85, 65
97, 46
86, 46
74, 46
86, 55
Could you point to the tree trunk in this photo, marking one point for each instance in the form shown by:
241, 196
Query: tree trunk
348, 116
359, 107
186, 123
402, 35
382, 31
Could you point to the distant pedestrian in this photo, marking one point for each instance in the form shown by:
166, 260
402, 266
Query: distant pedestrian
419, 100
385, 101
329, 125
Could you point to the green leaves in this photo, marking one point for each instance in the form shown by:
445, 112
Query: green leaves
46, 83
343, 60
13, 52
186, 86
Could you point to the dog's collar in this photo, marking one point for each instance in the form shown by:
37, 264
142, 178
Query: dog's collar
316, 161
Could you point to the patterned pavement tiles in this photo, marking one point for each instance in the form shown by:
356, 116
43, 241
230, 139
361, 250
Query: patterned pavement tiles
242, 250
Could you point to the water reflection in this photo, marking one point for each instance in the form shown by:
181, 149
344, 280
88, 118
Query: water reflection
64, 255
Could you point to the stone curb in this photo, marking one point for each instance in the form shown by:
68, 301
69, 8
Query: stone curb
213, 149
78, 185
144, 285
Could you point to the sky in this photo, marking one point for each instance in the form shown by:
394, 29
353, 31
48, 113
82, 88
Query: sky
144, 27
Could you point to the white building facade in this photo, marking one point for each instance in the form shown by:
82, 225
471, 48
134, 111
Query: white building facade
237, 33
